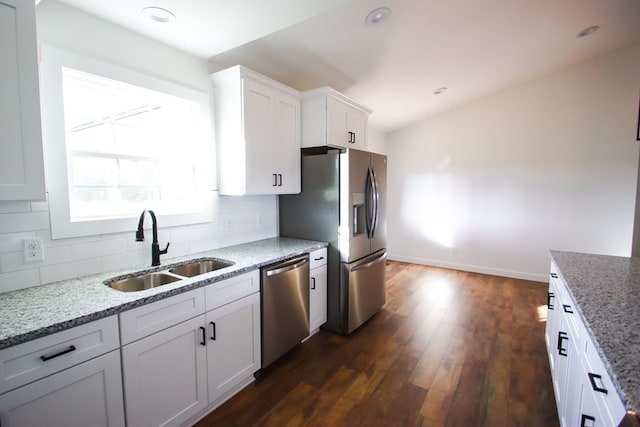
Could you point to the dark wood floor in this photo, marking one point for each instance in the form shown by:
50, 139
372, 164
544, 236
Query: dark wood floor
449, 348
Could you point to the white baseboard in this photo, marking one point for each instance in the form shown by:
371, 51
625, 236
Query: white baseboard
471, 268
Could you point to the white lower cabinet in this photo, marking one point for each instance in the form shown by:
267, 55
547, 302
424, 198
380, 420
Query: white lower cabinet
90, 392
318, 290
64, 379
177, 374
585, 395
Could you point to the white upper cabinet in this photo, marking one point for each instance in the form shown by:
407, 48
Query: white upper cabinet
21, 160
258, 134
331, 118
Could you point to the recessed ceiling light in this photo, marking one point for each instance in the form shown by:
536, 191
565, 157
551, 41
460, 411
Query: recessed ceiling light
588, 31
158, 14
440, 90
378, 16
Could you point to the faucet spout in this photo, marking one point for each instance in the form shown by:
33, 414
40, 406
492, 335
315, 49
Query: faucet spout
155, 247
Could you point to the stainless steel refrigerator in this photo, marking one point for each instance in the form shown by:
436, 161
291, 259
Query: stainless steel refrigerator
343, 202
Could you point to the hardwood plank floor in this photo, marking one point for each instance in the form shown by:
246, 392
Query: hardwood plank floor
449, 348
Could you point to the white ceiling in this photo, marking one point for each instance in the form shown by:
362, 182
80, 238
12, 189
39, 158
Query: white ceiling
472, 47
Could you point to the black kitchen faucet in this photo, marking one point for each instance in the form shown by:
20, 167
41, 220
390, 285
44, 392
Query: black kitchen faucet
155, 248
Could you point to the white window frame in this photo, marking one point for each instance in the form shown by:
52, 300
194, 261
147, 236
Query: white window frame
52, 62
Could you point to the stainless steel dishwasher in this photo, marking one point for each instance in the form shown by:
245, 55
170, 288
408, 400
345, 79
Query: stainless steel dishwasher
285, 307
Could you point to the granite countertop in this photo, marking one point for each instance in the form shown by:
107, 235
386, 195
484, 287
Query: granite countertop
42, 310
606, 291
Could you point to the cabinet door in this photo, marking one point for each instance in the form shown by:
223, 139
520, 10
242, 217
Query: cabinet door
337, 123
287, 141
346, 125
87, 394
564, 351
259, 125
586, 413
551, 329
233, 345
318, 298
357, 124
21, 159
165, 375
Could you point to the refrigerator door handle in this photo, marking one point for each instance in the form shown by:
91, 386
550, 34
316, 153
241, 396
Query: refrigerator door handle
378, 259
376, 202
370, 204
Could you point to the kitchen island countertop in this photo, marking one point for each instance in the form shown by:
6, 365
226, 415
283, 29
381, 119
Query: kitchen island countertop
35, 312
606, 291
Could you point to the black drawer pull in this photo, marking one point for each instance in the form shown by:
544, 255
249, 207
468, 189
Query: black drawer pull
550, 296
585, 418
594, 386
318, 259
313, 283
567, 308
46, 357
561, 337
213, 331
554, 275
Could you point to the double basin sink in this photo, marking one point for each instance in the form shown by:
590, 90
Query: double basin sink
173, 274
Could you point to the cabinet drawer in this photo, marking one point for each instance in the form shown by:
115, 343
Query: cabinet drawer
229, 290
317, 258
600, 384
159, 315
36, 359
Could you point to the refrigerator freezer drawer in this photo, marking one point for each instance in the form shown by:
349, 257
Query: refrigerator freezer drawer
366, 288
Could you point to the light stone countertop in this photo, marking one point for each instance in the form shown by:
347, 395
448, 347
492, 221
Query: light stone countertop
606, 291
31, 313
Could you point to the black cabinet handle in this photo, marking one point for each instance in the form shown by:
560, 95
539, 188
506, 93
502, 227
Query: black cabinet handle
352, 137
313, 283
213, 331
274, 181
279, 180
594, 386
567, 308
204, 335
318, 259
550, 296
554, 275
561, 337
585, 418
46, 357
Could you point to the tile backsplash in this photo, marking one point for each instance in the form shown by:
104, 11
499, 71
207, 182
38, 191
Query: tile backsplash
235, 220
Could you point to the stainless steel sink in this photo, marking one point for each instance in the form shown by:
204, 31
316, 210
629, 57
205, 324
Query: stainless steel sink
200, 267
142, 282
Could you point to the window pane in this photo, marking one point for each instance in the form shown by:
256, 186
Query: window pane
94, 171
139, 172
128, 148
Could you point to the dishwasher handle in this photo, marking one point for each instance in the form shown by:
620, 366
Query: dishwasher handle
291, 265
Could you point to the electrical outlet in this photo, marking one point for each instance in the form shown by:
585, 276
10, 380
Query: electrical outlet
33, 249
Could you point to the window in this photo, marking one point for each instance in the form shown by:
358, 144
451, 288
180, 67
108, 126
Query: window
119, 142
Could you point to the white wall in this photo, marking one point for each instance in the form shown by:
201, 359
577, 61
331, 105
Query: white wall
234, 219
494, 185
